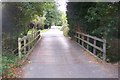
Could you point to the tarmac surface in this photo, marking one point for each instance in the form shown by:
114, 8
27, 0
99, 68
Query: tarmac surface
56, 56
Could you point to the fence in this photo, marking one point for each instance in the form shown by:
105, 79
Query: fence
26, 43
91, 44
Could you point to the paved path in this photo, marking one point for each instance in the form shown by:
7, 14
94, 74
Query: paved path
58, 57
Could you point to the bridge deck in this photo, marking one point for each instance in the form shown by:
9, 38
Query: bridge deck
58, 57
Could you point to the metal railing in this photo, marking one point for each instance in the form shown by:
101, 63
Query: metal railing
87, 41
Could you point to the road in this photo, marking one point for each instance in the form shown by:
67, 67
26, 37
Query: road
56, 56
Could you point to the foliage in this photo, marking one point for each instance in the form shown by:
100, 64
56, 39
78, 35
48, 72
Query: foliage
8, 61
97, 19
43, 31
11, 63
65, 31
64, 19
76, 11
16, 17
104, 19
53, 15
19, 14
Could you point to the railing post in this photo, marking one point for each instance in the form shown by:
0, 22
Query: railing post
78, 38
94, 50
104, 50
24, 45
34, 38
39, 34
32, 44
87, 44
29, 38
19, 47
82, 39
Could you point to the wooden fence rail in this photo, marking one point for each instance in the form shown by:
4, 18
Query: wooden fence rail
26, 43
87, 41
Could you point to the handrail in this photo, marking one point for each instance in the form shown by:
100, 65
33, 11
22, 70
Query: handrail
26, 43
93, 37
80, 37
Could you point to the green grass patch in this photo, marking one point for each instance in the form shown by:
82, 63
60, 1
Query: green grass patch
43, 31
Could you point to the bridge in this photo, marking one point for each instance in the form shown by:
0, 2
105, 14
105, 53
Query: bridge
54, 56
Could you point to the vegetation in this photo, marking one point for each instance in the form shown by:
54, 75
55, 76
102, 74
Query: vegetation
98, 19
8, 65
65, 31
53, 15
19, 15
16, 17
43, 31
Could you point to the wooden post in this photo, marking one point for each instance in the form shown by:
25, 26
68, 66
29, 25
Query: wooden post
78, 38
32, 43
34, 37
94, 50
33, 32
87, 44
75, 37
25, 44
104, 50
82, 41
19, 47
39, 34
29, 38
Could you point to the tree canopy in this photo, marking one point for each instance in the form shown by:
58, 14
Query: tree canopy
19, 14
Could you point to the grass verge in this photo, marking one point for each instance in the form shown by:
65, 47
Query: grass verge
43, 31
10, 66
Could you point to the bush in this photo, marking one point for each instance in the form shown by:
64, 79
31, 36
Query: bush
65, 31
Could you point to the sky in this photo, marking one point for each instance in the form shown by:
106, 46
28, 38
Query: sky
62, 4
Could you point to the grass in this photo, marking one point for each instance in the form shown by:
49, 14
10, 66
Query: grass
44, 30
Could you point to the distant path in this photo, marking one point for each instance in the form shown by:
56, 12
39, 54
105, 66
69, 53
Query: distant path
56, 56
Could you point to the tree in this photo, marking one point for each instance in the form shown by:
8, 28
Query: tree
76, 12
97, 19
53, 15
19, 14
